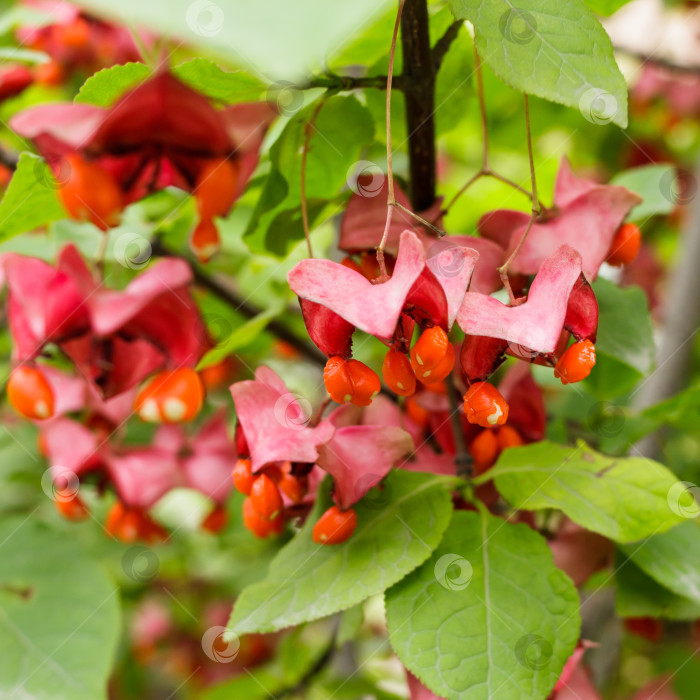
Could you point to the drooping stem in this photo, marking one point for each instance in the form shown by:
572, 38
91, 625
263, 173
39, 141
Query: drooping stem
304, 206
391, 199
503, 270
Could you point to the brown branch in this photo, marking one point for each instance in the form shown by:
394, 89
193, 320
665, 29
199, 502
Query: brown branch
443, 44
244, 307
419, 92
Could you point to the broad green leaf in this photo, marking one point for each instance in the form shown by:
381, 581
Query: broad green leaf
240, 337
552, 49
671, 559
606, 7
342, 128
307, 581
296, 656
625, 347
30, 200
623, 498
681, 411
488, 616
653, 184
350, 624
283, 40
106, 86
217, 84
638, 595
59, 616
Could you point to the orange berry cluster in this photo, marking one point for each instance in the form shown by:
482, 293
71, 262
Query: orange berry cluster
488, 445
132, 525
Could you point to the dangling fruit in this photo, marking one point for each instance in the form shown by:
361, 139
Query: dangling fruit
484, 405
625, 245
29, 393
334, 526
294, 488
91, 193
204, 241
216, 520
438, 373
576, 363
509, 437
429, 350
172, 396
265, 498
132, 524
257, 525
216, 188
71, 506
398, 374
417, 413
243, 477
484, 450
350, 381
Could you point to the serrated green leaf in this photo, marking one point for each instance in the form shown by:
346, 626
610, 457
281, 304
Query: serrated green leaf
638, 595
653, 184
59, 616
488, 616
671, 559
623, 498
606, 7
106, 86
555, 50
217, 84
307, 581
30, 200
243, 335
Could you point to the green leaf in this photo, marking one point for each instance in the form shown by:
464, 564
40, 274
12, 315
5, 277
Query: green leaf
638, 595
625, 347
488, 615
307, 581
606, 7
623, 498
342, 128
671, 559
217, 84
286, 40
680, 411
653, 184
59, 616
297, 654
555, 50
30, 200
106, 86
245, 334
